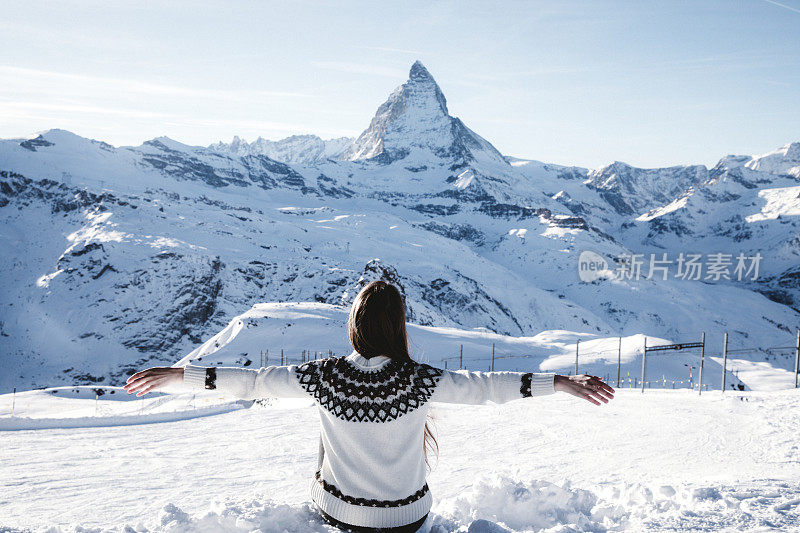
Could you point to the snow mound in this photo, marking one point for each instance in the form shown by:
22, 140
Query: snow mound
500, 504
255, 515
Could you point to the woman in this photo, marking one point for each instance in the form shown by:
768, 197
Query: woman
373, 407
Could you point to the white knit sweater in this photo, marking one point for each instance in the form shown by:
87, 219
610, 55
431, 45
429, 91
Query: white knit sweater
373, 411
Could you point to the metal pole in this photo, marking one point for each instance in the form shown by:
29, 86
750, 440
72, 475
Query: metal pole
282, 357
796, 358
492, 357
724, 359
619, 359
702, 358
13, 401
577, 347
461, 358
644, 358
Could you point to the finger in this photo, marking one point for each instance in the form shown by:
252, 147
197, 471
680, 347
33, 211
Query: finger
601, 397
590, 399
142, 383
147, 374
602, 390
136, 382
605, 395
138, 374
608, 389
600, 385
598, 397
603, 385
145, 391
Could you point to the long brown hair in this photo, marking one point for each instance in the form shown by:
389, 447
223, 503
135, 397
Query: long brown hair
377, 326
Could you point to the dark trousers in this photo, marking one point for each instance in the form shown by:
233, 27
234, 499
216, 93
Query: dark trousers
408, 528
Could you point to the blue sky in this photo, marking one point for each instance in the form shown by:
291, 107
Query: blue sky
585, 83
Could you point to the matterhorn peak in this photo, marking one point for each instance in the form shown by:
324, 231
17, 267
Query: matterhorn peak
418, 72
415, 119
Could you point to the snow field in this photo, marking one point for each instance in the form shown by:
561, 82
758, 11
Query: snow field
663, 460
98, 406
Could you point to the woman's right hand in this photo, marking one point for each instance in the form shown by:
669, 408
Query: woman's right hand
590, 388
152, 379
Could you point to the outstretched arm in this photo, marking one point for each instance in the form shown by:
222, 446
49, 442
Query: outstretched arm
245, 383
470, 387
467, 387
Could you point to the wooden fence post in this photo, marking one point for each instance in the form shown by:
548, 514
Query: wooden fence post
461, 357
577, 348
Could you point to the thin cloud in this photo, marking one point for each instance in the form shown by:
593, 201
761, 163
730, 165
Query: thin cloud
394, 50
11, 107
790, 8
20, 74
355, 68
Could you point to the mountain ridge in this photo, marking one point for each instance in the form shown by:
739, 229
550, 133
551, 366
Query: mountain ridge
142, 252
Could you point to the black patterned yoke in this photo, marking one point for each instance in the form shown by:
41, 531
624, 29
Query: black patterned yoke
357, 395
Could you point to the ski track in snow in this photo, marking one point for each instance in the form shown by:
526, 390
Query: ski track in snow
661, 461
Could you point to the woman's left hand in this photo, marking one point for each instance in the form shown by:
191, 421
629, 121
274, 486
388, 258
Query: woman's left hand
152, 379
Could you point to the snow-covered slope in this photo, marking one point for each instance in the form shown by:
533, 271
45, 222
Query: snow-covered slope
659, 461
783, 161
631, 190
746, 205
119, 257
271, 333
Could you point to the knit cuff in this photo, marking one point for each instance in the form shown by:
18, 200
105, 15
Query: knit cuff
537, 384
194, 377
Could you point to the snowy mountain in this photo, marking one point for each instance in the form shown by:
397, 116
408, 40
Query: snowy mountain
119, 257
784, 161
414, 123
630, 190
297, 149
